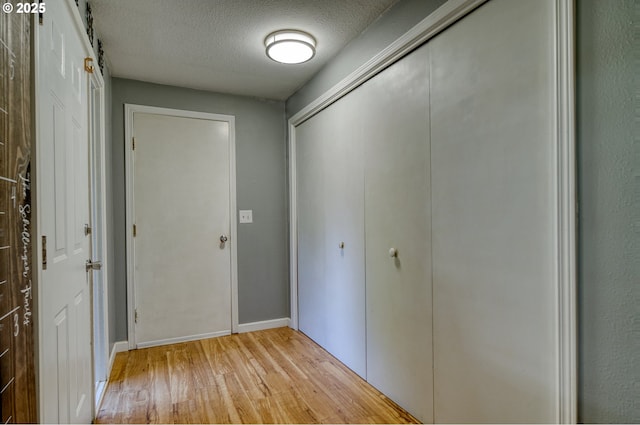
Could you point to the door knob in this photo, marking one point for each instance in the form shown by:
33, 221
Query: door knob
393, 253
93, 265
223, 238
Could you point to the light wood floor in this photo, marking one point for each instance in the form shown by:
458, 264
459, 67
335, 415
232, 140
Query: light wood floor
273, 376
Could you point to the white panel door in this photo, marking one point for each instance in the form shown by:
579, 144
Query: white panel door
63, 201
494, 174
331, 283
397, 210
181, 190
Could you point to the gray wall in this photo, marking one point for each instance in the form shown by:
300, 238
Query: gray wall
609, 190
263, 281
609, 170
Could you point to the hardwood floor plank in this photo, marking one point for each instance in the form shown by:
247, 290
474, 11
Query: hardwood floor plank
241, 400
215, 407
160, 410
272, 376
244, 372
203, 376
298, 412
216, 356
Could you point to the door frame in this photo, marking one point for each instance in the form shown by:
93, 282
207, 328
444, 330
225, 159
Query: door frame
98, 197
129, 111
563, 26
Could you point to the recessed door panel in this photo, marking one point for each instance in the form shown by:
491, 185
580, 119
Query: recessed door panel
61, 367
60, 188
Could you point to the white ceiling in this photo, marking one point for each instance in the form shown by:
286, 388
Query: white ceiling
218, 45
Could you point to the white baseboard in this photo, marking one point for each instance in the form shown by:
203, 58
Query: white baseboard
183, 339
100, 390
101, 387
265, 324
118, 347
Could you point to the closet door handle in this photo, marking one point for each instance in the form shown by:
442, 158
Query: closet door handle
223, 238
393, 253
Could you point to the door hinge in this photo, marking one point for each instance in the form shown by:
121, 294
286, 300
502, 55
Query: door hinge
135, 230
136, 315
44, 252
40, 12
88, 65
133, 144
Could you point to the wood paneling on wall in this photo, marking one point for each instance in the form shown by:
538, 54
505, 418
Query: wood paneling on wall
17, 375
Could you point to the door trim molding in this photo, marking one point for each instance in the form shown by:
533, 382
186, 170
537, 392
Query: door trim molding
129, 110
566, 209
564, 52
97, 149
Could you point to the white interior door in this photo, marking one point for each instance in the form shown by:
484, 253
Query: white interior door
63, 209
181, 211
398, 216
494, 216
331, 283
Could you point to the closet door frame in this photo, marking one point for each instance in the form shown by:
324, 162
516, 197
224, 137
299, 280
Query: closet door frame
565, 156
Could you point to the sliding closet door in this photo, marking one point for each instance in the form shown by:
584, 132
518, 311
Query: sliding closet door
331, 287
397, 210
312, 287
493, 176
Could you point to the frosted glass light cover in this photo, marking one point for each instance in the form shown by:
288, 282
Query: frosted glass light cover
290, 46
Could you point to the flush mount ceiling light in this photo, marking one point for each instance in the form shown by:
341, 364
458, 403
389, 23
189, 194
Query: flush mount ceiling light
290, 46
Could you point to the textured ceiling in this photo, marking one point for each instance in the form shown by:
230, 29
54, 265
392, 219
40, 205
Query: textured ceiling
218, 45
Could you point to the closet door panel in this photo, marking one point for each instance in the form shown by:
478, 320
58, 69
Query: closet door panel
331, 237
344, 214
493, 175
397, 210
312, 291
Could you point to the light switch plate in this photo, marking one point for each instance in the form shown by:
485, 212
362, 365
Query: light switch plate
246, 216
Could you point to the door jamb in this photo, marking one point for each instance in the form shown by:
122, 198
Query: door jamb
97, 151
129, 110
